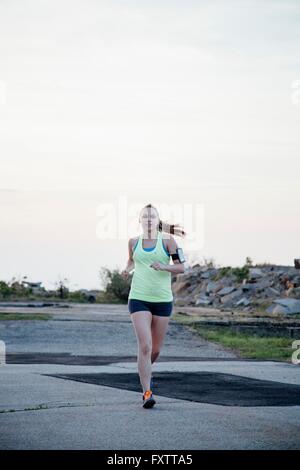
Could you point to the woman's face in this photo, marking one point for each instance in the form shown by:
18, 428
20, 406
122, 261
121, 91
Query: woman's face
149, 219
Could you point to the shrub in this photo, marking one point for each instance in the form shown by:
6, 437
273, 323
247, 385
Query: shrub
5, 290
115, 287
241, 273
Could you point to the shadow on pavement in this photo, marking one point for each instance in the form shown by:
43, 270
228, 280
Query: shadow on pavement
202, 387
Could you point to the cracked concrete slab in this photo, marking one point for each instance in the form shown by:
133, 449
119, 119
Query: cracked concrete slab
51, 413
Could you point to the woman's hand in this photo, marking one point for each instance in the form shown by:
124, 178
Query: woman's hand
125, 274
158, 266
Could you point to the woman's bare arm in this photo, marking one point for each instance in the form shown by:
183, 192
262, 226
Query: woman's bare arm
130, 262
177, 267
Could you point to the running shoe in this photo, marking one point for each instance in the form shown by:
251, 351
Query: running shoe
151, 386
148, 400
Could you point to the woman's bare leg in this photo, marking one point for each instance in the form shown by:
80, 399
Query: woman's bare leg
159, 328
142, 325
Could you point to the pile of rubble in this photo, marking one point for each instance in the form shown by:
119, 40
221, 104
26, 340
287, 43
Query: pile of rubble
272, 288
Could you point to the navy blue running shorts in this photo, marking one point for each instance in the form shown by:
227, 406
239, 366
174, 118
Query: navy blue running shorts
162, 309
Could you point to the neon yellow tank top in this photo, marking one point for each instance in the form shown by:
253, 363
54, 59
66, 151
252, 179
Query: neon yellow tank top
148, 283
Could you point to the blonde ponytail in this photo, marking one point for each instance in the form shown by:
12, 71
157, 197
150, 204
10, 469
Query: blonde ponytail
175, 229
163, 226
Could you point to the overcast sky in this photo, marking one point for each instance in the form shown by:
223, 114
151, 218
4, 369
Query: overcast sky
110, 105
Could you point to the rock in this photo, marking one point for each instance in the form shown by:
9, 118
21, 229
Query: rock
296, 281
205, 275
265, 284
286, 306
230, 297
199, 289
179, 286
248, 287
184, 277
189, 289
255, 273
203, 301
197, 265
271, 291
180, 303
295, 292
256, 286
247, 309
262, 284
292, 305
213, 286
243, 301
226, 290
297, 263
276, 308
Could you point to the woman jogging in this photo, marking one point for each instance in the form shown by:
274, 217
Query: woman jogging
150, 300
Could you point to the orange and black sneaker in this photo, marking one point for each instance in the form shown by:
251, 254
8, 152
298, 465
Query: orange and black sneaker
148, 400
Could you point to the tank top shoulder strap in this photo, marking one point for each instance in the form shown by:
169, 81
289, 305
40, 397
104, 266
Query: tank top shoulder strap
160, 243
136, 243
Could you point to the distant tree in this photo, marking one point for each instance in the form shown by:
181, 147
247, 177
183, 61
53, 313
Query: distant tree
61, 288
249, 261
209, 262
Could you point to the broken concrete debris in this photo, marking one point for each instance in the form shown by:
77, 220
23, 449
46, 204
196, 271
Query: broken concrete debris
274, 289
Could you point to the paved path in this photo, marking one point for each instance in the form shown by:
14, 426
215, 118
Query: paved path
72, 383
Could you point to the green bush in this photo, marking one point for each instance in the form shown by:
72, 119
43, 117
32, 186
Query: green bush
115, 287
5, 290
239, 273
223, 272
77, 296
13, 290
